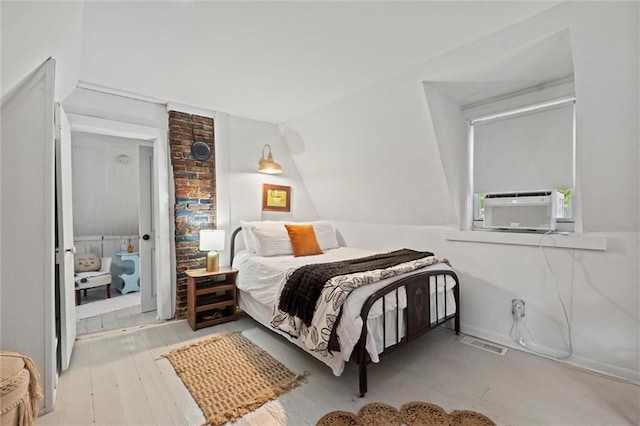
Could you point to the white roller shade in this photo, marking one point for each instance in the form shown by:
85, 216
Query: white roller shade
531, 151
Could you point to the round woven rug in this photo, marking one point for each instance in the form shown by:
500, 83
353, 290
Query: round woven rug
379, 414
423, 413
339, 418
416, 413
469, 418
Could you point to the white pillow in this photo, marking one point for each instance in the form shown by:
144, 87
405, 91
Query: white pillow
325, 234
86, 262
267, 238
272, 239
247, 235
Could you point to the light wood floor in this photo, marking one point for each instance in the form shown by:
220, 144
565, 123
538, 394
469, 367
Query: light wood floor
114, 320
121, 377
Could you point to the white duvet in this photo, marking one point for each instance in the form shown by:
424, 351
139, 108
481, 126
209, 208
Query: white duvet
263, 277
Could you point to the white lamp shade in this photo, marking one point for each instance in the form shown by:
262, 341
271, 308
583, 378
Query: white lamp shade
211, 239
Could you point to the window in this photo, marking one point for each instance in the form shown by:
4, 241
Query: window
523, 149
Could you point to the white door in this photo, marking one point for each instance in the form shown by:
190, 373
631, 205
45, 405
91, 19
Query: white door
146, 230
27, 211
66, 250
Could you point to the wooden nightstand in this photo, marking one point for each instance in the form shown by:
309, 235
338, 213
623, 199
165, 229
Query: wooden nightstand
211, 297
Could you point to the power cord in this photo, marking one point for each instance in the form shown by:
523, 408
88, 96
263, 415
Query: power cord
515, 334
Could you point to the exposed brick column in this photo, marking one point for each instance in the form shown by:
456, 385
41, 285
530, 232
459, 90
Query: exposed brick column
195, 193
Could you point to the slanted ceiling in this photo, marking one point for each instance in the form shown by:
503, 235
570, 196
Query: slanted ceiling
274, 61
520, 68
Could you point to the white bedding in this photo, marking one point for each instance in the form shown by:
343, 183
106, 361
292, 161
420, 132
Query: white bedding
261, 278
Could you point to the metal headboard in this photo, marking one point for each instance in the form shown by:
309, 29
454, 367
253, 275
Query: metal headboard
234, 234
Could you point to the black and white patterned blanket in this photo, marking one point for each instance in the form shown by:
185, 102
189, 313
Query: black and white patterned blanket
303, 287
332, 294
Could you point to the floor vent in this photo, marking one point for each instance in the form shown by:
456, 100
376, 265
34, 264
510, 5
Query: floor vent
489, 347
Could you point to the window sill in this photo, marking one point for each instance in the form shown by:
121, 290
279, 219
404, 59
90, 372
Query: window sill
582, 242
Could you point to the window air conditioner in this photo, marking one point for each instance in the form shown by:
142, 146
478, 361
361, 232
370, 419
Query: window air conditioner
525, 211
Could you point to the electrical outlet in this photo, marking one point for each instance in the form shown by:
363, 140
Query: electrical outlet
517, 308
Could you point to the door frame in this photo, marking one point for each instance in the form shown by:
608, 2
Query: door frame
64, 227
165, 290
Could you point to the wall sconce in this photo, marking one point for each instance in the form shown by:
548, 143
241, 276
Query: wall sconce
212, 240
267, 165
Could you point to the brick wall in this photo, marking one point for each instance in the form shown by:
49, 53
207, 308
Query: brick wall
195, 194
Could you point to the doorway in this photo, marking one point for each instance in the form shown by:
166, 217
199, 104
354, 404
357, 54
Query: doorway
113, 224
94, 111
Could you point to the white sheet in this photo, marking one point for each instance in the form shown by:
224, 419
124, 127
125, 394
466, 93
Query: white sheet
262, 277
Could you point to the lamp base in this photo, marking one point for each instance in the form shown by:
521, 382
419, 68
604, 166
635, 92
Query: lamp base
213, 264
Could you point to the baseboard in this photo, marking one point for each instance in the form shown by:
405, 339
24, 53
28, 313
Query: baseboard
588, 364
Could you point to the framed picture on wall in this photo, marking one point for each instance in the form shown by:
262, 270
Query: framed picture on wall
276, 198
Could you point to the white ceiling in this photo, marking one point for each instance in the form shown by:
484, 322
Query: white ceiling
540, 62
274, 61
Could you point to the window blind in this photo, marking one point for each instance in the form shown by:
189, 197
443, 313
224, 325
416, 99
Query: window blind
526, 152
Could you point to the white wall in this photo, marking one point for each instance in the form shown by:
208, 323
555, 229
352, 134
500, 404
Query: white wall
105, 191
368, 158
387, 171
97, 103
603, 286
239, 144
446, 116
35, 31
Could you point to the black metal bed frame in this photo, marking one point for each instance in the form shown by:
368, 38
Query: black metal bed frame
416, 315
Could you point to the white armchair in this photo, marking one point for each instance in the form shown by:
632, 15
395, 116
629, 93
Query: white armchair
91, 279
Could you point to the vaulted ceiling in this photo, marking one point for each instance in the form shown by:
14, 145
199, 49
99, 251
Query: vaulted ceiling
271, 61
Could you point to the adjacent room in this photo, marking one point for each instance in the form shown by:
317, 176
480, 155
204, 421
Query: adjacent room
320, 213
109, 175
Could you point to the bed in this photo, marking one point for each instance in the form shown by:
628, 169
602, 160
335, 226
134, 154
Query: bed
398, 308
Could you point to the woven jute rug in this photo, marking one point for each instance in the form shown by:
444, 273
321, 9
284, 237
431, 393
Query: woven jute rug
228, 376
414, 413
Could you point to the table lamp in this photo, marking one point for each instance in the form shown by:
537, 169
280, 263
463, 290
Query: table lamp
212, 240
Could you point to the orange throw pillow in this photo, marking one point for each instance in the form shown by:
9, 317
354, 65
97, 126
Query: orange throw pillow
303, 240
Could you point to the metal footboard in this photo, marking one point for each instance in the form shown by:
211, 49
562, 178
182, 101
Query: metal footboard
416, 315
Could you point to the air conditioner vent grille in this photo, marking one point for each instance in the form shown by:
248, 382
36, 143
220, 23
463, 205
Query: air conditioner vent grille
489, 347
